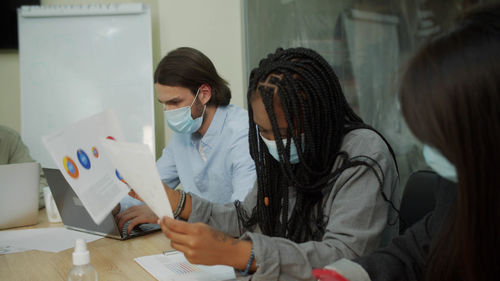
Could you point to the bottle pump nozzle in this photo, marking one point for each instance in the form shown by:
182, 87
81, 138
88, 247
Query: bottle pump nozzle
81, 254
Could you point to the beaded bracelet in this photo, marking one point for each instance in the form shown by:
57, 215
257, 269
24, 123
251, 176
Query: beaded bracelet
180, 205
249, 264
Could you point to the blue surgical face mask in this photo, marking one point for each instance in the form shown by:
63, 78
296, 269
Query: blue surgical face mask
439, 163
180, 120
272, 147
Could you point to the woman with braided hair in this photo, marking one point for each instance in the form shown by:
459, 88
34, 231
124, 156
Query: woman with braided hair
324, 180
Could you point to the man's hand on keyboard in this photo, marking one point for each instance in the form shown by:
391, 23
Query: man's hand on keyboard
136, 215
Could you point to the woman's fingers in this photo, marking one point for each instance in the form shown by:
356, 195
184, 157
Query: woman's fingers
176, 225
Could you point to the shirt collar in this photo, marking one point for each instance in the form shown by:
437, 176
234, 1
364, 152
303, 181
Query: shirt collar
215, 128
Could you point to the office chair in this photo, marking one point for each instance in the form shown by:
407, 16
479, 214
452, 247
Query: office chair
418, 197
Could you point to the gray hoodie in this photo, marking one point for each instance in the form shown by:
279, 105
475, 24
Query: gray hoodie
357, 213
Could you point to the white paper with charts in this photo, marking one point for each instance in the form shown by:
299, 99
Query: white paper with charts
77, 152
136, 163
173, 266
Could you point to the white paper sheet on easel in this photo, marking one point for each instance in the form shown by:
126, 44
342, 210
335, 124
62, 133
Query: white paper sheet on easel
173, 266
136, 163
77, 152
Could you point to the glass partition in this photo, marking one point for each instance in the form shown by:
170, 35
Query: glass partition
367, 42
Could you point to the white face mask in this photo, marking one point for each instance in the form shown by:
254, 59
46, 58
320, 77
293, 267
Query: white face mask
180, 120
272, 147
439, 163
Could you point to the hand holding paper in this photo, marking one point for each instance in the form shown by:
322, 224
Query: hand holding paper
136, 164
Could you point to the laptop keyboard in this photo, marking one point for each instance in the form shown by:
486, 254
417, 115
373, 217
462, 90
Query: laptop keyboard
138, 228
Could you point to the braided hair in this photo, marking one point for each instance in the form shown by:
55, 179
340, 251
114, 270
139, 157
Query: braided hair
318, 117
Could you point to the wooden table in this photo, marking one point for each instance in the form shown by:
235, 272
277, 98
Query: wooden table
113, 259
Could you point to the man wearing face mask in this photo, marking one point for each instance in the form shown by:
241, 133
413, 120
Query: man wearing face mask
209, 152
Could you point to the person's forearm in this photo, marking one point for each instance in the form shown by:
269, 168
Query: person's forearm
174, 197
187, 208
244, 256
237, 254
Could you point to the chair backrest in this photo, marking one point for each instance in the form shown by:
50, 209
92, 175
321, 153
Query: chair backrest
418, 197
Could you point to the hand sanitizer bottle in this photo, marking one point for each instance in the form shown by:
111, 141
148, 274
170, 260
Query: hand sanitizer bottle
82, 269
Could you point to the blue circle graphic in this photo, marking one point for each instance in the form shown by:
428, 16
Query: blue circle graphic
83, 158
71, 168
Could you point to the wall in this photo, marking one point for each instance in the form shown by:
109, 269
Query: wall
10, 107
214, 27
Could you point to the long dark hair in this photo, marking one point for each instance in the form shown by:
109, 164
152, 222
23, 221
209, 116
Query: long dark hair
189, 68
314, 105
450, 98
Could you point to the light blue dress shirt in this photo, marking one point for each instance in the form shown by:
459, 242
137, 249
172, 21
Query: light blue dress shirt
217, 166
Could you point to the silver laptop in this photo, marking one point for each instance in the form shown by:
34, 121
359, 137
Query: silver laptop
74, 215
19, 191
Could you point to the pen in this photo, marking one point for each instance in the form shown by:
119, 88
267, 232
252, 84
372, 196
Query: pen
169, 252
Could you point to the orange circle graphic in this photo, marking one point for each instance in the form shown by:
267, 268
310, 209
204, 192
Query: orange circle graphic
70, 167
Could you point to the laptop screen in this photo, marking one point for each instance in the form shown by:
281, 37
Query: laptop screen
20, 192
74, 215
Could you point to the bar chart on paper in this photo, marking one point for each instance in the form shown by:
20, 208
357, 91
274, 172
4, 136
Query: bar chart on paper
173, 266
182, 268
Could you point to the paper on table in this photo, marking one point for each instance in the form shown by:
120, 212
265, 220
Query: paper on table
136, 163
52, 239
173, 266
77, 153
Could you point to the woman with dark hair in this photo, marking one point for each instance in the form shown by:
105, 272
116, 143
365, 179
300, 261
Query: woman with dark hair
450, 98
324, 179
